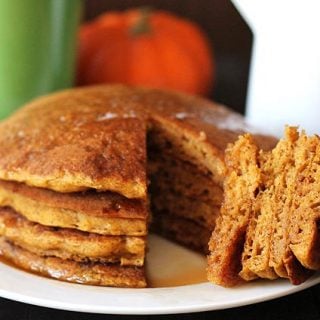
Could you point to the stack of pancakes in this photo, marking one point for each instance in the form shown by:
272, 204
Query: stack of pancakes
71, 210
74, 168
87, 237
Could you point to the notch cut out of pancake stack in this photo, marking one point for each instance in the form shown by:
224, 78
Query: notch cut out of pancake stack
80, 169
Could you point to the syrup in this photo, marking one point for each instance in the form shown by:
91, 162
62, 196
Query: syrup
171, 265
168, 264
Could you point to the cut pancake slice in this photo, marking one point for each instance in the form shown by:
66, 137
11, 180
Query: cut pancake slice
99, 212
283, 170
92, 273
267, 253
266, 236
304, 223
70, 244
256, 253
240, 187
269, 217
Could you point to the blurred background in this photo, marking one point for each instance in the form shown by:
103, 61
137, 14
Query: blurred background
270, 71
229, 36
42, 48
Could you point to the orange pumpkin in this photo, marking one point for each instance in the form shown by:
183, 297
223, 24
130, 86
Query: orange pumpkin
143, 47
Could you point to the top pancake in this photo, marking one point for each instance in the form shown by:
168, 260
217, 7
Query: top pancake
95, 137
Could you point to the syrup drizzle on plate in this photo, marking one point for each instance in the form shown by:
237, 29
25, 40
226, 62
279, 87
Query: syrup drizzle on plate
171, 265
167, 264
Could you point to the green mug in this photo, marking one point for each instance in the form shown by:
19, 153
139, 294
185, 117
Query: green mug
37, 49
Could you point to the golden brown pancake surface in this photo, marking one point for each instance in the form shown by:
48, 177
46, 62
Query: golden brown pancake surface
101, 212
72, 271
68, 243
95, 137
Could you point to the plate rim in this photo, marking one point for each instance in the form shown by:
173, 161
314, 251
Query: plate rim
126, 310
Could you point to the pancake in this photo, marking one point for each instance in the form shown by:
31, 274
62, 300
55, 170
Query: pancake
95, 137
227, 241
303, 228
182, 231
98, 212
81, 156
74, 158
69, 243
268, 227
269, 254
178, 176
72, 271
204, 214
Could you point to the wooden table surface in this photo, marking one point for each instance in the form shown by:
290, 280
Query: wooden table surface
304, 305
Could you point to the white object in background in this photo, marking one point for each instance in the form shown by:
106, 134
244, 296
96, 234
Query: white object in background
284, 81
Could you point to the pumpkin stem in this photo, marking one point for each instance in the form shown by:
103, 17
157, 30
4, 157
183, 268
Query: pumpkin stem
142, 26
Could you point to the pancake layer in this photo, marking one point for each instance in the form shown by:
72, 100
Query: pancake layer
104, 213
69, 243
72, 271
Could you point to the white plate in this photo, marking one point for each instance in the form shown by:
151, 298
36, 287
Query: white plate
167, 261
